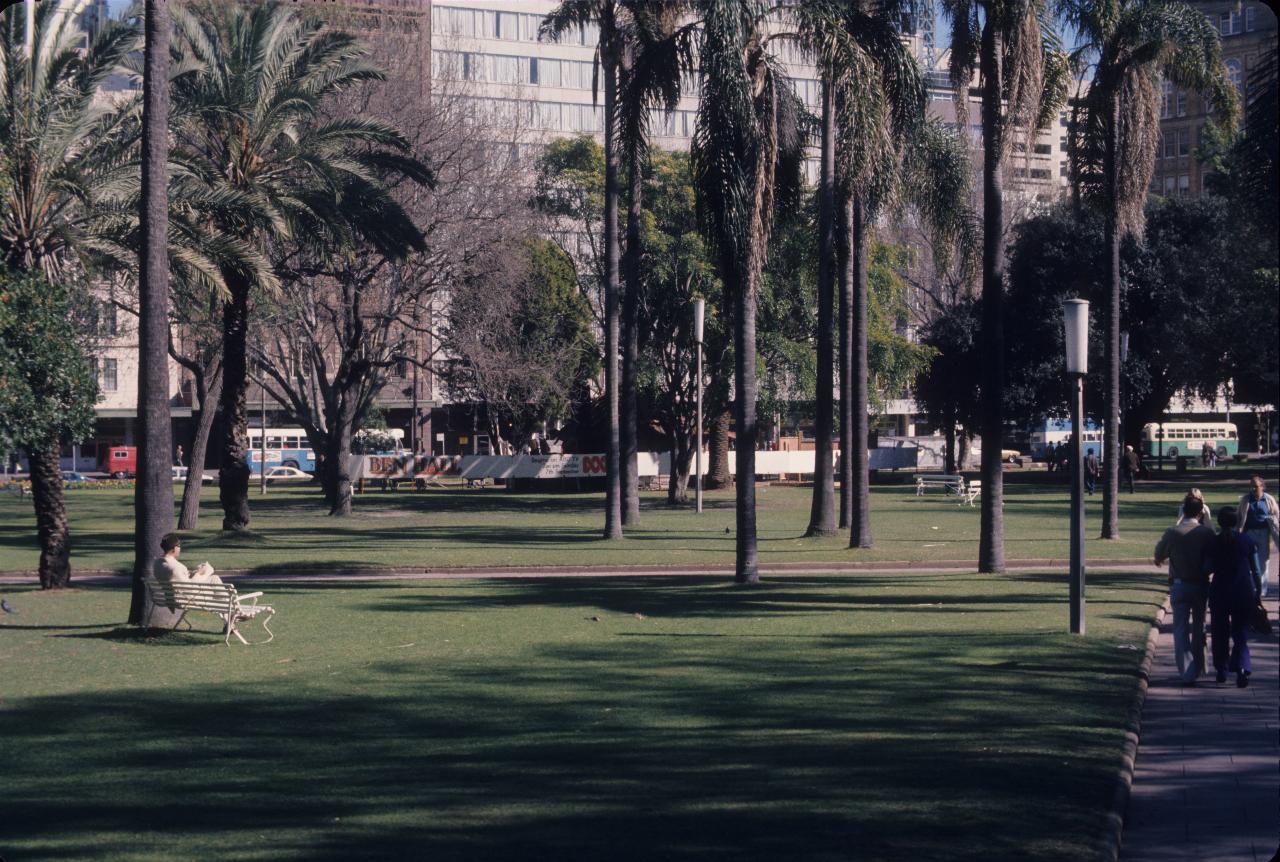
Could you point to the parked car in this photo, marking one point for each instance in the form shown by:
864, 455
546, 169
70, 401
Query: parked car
71, 477
180, 475
286, 474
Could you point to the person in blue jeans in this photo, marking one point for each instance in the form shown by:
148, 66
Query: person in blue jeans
1233, 594
1185, 546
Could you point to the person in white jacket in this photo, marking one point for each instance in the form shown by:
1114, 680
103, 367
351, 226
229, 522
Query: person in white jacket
1259, 519
167, 569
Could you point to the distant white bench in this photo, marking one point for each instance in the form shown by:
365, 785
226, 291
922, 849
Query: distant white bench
951, 484
219, 599
970, 492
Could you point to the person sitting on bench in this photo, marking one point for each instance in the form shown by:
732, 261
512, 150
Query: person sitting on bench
167, 569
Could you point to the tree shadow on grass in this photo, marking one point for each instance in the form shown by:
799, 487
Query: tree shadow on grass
619, 749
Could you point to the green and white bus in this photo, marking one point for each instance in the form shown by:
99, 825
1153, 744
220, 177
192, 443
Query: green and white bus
1188, 438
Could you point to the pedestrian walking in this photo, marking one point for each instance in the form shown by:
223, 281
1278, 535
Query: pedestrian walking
1185, 546
1090, 471
1203, 517
1259, 519
1132, 464
1233, 594
177, 456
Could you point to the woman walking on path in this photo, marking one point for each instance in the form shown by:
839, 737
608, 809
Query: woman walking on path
1203, 517
1233, 594
1259, 519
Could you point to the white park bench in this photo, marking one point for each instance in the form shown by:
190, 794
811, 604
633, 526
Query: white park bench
951, 484
220, 599
970, 493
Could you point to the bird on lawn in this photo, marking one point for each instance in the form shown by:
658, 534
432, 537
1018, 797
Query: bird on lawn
6, 607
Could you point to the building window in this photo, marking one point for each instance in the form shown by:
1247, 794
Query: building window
1184, 185
1170, 145
1184, 142
108, 375
1250, 19
110, 325
533, 70
1170, 184
1182, 103
1166, 100
1229, 23
1235, 71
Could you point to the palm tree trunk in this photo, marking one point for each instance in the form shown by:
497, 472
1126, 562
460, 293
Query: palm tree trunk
991, 531
51, 517
747, 564
822, 513
631, 340
233, 477
860, 529
844, 267
208, 393
613, 503
153, 491
718, 452
1111, 429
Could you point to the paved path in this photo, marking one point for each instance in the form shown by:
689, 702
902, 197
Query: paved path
1207, 781
303, 574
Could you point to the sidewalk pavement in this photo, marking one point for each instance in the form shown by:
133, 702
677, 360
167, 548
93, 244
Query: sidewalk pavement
1207, 781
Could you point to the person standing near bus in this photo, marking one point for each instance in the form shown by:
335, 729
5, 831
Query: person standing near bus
1090, 471
1259, 519
1132, 465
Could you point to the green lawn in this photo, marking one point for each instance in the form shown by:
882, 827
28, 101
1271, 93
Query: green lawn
897, 717
458, 527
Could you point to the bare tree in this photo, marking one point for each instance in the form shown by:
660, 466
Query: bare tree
328, 345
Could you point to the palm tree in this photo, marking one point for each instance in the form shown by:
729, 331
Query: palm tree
153, 493
657, 50
257, 156
877, 149
1023, 80
746, 158
606, 14
819, 29
1136, 43
64, 158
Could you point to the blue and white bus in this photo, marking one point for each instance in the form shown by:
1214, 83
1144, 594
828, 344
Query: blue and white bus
1054, 431
286, 447
289, 447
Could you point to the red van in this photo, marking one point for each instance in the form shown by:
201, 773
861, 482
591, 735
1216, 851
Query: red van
121, 462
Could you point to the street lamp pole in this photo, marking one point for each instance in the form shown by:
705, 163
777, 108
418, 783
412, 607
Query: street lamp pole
262, 441
1076, 320
699, 316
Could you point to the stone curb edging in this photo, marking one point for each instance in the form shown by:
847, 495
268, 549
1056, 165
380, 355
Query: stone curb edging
1114, 837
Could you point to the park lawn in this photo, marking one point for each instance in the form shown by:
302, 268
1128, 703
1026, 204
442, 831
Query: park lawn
491, 527
815, 717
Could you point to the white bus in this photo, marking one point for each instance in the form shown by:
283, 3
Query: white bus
1188, 438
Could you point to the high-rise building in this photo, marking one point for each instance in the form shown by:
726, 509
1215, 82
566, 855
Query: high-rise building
1248, 30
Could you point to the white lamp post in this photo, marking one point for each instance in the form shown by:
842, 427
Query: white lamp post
1075, 313
699, 317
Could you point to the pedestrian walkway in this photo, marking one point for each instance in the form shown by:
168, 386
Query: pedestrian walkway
1207, 781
